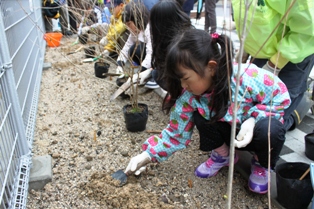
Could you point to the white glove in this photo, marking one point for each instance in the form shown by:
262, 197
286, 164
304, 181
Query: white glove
85, 30
245, 134
105, 53
271, 69
119, 70
144, 75
141, 77
137, 164
103, 41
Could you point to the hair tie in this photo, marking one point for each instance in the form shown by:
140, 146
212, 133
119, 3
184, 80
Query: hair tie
214, 35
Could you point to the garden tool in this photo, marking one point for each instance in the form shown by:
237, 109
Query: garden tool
120, 176
121, 89
136, 166
92, 59
75, 50
140, 78
312, 181
111, 74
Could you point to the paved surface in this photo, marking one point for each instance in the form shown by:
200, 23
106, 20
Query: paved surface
294, 147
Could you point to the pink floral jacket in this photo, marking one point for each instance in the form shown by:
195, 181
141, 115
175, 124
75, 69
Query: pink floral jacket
260, 95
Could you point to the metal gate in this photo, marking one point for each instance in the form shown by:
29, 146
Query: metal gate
22, 51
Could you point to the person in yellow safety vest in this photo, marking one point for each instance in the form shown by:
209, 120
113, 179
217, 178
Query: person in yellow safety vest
50, 10
116, 29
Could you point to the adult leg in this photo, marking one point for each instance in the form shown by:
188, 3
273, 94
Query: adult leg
296, 89
207, 23
137, 52
48, 24
73, 23
210, 16
63, 18
158, 80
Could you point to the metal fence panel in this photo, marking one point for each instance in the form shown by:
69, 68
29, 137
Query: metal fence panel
21, 60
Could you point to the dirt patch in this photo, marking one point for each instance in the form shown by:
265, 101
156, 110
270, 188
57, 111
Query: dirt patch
103, 189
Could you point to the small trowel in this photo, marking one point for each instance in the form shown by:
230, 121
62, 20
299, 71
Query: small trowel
75, 50
121, 176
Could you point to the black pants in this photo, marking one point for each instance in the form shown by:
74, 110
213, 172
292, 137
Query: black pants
158, 80
215, 135
137, 52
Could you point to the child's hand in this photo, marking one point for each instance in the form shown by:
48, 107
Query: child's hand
137, 164
85, 30
245, 134
105, 53
269, 66
103, 41
141, 77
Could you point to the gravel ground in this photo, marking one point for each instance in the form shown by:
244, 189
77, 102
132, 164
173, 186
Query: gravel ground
86, 136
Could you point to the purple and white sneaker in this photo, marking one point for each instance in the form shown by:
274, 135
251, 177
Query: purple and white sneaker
213, 165
258, 180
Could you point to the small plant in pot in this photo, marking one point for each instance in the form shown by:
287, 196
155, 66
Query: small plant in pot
135, 114
101, 68
134, 52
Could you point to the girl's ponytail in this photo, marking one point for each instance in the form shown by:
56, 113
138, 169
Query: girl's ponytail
223, 54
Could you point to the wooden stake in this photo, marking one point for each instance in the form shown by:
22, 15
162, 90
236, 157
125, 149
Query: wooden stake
153, 131
95, 135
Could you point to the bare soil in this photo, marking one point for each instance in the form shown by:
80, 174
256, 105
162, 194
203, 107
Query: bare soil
86, 136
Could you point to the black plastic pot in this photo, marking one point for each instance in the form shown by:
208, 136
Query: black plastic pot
291, 192
90, 52
83, 38
100, 69
309, 145
135, 121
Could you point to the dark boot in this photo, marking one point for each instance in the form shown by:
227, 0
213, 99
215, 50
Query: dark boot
301, 110
67, 32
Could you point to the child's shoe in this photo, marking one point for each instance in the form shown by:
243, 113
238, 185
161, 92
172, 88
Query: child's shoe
213, 165
258, 180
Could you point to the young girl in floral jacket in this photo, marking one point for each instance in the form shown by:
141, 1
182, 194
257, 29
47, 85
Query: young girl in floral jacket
202, 89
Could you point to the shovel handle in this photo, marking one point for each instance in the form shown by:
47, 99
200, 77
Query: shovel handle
304, 174
153, 131
111, 74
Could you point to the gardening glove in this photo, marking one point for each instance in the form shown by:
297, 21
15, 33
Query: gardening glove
142, 77
145, 75
138, 164
85, 30
271, 69
119, 70
245, 56
105, 53
103, 41
245, 134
